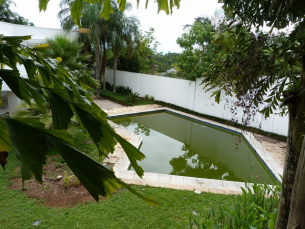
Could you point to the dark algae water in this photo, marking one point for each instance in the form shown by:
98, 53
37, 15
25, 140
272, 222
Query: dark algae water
176, 145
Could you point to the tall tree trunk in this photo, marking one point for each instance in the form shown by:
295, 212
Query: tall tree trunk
104, 64
97, 67
152, 69
296, 110
115, 61
297, 206
297, 211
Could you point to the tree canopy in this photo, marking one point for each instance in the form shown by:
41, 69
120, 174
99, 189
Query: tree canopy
7, 15
264, 68
199, 50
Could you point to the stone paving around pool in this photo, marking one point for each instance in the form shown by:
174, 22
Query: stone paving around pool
118, 160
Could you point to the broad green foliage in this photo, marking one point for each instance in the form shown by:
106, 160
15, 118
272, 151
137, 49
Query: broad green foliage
50, 83
255, 208
266, 69
278, 14
199, 51
146, 51
124, 31
125, 63
69, 54
9, 16
166, 61
141, 55
4, 137
107, 8
244, 61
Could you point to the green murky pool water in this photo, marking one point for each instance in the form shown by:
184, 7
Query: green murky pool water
176, 145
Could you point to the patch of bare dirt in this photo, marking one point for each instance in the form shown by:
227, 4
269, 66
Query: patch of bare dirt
55, 191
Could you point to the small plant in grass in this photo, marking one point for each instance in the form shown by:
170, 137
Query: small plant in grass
255, 208
151, 99
146, 97
131, 98
70, 180
58, 165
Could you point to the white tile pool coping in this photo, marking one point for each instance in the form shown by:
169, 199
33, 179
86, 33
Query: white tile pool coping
182, 182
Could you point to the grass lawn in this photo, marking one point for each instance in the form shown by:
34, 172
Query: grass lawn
123, 210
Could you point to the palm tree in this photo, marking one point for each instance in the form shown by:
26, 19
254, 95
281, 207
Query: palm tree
97, 32
72, 58
124, 32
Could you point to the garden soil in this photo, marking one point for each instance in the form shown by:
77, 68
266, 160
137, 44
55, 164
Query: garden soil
55, 191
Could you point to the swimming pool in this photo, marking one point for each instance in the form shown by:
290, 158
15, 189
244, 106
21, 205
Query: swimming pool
177, 145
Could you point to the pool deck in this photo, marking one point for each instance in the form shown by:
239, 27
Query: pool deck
271, 152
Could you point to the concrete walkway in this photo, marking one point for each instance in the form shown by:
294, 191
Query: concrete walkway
106, 104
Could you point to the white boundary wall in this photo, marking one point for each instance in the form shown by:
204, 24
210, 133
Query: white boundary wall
190, 95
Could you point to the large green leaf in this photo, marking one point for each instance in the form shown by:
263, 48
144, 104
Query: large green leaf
4, 138
36, 94
43, 5
16, 40
61, 109
22, 87
106, 9
26, 96
29, 66
41, 47
163, 5
45, 74
1, 105
7, 50
132, 153
97, 178
76, 11
30, 138
122, 4
30, 145
10, 77
99, 130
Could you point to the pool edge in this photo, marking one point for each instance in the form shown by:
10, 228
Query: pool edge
191, 183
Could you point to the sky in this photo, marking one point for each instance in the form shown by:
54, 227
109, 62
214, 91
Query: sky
167, 27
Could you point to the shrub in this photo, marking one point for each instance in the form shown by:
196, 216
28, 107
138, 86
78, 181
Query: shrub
152, 99
255, 208
123, 90
131, 98
109, 86
146, 97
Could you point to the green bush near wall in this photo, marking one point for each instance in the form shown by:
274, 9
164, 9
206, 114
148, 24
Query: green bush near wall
123, 99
